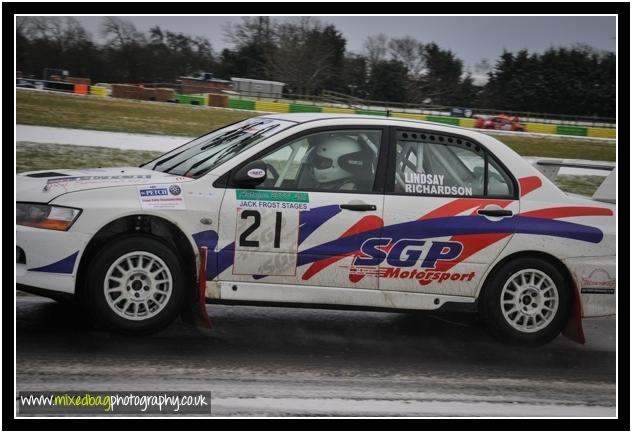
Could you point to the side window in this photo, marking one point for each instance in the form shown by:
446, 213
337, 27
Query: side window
344, 160
498, 181
429, 165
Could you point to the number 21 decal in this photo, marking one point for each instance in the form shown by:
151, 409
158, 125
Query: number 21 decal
266, 242
244, 242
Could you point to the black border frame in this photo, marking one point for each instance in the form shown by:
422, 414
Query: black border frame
621, 423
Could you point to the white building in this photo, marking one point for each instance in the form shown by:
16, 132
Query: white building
263, 88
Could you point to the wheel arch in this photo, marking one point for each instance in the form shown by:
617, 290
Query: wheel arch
573, 328
158, 227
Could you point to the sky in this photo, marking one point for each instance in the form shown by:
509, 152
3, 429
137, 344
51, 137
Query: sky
470, 38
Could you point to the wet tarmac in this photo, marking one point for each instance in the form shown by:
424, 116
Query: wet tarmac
272, 361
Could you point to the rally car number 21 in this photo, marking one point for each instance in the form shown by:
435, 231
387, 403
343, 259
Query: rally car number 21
320, 210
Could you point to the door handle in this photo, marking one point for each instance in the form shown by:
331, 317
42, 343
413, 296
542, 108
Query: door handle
495, 212
359, 207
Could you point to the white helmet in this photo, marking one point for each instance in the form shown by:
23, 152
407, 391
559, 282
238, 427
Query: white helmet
339, 157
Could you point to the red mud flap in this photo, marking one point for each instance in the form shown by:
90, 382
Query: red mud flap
574, 329
200, 316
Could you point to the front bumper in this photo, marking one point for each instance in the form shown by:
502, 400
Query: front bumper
48, 259
595, 279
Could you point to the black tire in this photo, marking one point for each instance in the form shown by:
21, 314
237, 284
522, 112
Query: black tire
501, 327
110, 254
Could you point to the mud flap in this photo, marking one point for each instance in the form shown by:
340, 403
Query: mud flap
574, 329
196, 313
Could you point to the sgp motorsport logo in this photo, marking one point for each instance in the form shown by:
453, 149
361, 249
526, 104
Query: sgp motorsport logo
402, 256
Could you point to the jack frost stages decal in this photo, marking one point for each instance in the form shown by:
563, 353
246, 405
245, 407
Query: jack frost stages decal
253, 198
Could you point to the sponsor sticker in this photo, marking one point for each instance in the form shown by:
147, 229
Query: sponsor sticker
256, 173
599, 278
127, 178
252, 198
161, 197
408, 259
432, 184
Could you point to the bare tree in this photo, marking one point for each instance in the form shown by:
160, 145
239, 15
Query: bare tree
410, 52
252, 30
122, 33
375, 48
306, 54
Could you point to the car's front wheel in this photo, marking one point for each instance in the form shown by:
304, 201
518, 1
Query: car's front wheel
526, 301
135, 285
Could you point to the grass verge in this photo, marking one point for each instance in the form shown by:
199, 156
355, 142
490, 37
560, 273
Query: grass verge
560, 147
38, 156
122, 115
584, 185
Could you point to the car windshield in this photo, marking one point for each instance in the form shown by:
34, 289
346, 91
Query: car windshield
203, 154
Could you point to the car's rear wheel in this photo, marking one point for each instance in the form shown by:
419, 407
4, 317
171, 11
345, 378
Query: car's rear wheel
526, 301
135, 285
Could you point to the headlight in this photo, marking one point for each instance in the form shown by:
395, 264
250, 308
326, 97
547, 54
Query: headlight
44, 216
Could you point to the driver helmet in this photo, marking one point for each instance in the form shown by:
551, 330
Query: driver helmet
337, 158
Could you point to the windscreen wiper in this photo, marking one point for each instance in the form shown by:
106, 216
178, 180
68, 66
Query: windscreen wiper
214, 141
242, 143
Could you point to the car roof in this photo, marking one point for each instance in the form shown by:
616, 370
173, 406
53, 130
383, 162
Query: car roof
379, 120
301, 118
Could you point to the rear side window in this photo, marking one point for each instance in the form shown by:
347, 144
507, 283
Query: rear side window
498, 181
432, 165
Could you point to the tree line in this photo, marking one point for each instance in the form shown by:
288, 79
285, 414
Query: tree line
311, 56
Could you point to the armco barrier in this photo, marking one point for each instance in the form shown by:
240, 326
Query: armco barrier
443, 119
465, 122
541, 128
337, 110
59, 86
164, 94
81, 89
191, 99
572, 130
301, 108
409, 116
371, 112
602, 132
216, 100
241, 104
274, 107
98, 91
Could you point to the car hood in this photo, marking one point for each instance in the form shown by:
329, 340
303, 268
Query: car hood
43, 186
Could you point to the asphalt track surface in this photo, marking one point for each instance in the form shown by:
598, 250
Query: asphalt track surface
272, 361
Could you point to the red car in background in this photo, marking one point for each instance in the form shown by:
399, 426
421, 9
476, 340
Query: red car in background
501, 122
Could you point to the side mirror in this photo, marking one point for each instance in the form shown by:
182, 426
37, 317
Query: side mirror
251, 174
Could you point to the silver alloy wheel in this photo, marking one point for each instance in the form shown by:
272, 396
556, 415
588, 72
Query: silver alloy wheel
529, 300
138, 285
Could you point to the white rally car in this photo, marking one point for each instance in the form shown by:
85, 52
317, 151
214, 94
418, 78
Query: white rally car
321, 210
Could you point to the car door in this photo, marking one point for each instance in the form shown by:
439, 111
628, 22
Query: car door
323, 194
448, 213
